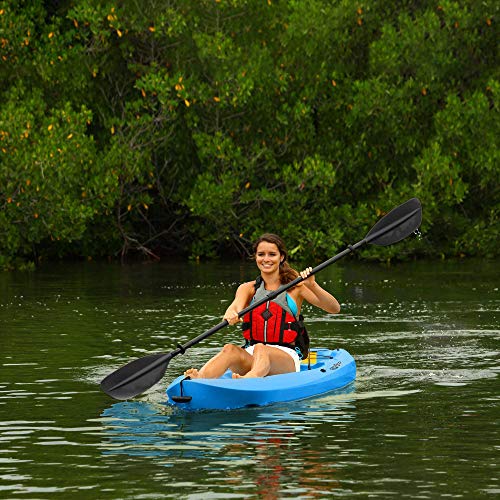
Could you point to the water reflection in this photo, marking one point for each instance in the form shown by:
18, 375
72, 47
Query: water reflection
265, 451
156, 430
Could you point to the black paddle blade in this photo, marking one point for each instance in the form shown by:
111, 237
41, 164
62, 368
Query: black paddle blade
136, 377
399, 223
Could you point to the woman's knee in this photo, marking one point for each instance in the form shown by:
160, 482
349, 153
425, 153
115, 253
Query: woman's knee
237, 359
259, 349
231, 350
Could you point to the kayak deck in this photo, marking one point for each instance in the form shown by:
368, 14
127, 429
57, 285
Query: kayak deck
329, 370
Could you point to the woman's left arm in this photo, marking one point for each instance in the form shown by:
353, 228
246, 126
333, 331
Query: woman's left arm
317, 296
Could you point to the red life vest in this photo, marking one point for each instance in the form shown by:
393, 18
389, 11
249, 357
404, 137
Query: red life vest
271, 323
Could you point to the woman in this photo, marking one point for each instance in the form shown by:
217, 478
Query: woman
271, 344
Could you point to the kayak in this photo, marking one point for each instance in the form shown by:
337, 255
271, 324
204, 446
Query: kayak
325, 370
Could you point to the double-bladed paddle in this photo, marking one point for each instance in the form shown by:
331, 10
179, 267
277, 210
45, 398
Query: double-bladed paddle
141, 374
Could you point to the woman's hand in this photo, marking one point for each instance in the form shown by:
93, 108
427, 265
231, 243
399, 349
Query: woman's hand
243, 297
309, 279
231, 316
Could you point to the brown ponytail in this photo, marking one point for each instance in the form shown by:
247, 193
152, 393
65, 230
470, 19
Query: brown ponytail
287, 273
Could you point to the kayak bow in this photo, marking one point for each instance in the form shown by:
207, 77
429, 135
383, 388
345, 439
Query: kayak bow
329, 370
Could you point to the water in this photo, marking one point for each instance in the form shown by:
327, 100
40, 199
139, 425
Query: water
421, 420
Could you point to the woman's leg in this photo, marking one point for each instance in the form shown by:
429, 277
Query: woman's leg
230, 357
268, 360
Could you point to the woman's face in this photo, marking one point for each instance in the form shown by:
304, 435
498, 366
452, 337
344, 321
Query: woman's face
268, 257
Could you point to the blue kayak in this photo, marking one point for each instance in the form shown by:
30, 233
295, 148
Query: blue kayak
327, 370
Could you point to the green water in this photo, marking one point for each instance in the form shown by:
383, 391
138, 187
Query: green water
421, 420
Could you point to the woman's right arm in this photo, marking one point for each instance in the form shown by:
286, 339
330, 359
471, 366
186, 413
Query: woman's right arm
242, 299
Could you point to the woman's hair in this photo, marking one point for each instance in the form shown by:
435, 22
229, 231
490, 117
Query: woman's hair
287, 273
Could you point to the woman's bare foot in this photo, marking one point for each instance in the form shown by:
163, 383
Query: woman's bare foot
192, 373
247, 375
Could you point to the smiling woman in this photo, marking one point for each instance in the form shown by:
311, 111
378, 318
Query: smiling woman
276, 339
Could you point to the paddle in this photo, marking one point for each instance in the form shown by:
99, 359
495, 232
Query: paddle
141, 374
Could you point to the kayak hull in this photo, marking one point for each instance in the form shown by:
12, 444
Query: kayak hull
329, 370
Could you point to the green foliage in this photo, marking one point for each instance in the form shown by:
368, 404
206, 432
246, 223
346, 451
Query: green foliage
192, 127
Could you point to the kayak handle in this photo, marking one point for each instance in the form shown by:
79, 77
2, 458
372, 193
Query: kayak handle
182, 398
